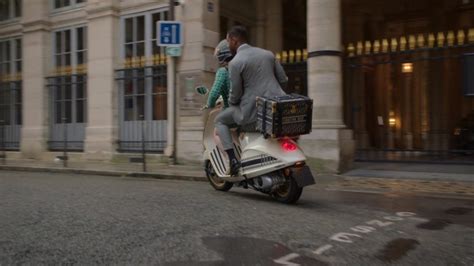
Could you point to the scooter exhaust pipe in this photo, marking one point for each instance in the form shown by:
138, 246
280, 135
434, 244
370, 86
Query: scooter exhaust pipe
265, 182
268, 182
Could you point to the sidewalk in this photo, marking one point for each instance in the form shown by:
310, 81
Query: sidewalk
415, 178
401, 186
154, 170
423, 171
428, 180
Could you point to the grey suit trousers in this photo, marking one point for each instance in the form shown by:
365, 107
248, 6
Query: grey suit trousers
224, 122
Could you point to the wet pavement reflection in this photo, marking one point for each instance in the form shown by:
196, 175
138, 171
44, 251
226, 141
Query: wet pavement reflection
396, 249
250, 251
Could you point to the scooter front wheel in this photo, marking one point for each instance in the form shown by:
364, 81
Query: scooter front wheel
216, 182
289, 192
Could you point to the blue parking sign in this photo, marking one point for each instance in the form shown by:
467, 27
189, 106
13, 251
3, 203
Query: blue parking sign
170, 33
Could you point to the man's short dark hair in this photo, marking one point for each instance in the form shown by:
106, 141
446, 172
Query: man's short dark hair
239, 32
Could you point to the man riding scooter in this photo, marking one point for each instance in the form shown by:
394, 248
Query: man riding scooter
254, 72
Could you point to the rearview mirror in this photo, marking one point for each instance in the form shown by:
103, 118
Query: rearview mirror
201, 90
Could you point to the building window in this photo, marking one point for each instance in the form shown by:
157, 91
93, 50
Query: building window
142, 83
68, 88
10, 92
70, 55
59, 4
139, 37
10, 9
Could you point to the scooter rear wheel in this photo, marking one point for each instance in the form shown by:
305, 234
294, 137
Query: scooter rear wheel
216, 182
289, 192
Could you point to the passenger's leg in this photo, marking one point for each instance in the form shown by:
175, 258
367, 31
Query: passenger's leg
224, 121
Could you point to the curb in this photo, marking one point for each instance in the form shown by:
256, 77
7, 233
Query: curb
167, 176
200, 178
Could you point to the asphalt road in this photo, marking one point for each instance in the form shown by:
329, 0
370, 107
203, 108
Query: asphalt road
75, 219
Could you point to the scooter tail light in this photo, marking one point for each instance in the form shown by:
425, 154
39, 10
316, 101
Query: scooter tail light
288, 145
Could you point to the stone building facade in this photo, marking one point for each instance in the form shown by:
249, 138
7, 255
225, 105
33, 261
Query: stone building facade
87, 76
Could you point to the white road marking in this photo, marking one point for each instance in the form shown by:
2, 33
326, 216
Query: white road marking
285, 260
379, 223
322, 249
347, 237
344, 237
362, 229
393, 218
406, 214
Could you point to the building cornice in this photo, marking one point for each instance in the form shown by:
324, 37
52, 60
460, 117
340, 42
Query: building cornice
10, 29
36, 25
102, 11
127, 9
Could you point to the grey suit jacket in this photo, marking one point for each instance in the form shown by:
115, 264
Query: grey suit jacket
253, 72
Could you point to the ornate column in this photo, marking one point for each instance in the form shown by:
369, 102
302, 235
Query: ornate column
260, 23
268, 25
36, 62
274, 26
101, 131
407, 110
330, 146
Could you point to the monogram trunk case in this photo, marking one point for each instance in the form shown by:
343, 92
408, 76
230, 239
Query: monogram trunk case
284, 116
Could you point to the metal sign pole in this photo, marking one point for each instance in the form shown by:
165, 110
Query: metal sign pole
65, 142
4, 156
143, 143
172, 82
64, 120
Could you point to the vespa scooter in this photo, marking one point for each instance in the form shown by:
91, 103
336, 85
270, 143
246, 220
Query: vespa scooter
276, 167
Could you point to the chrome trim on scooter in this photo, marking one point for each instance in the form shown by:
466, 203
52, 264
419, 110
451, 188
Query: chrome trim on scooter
262, 161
